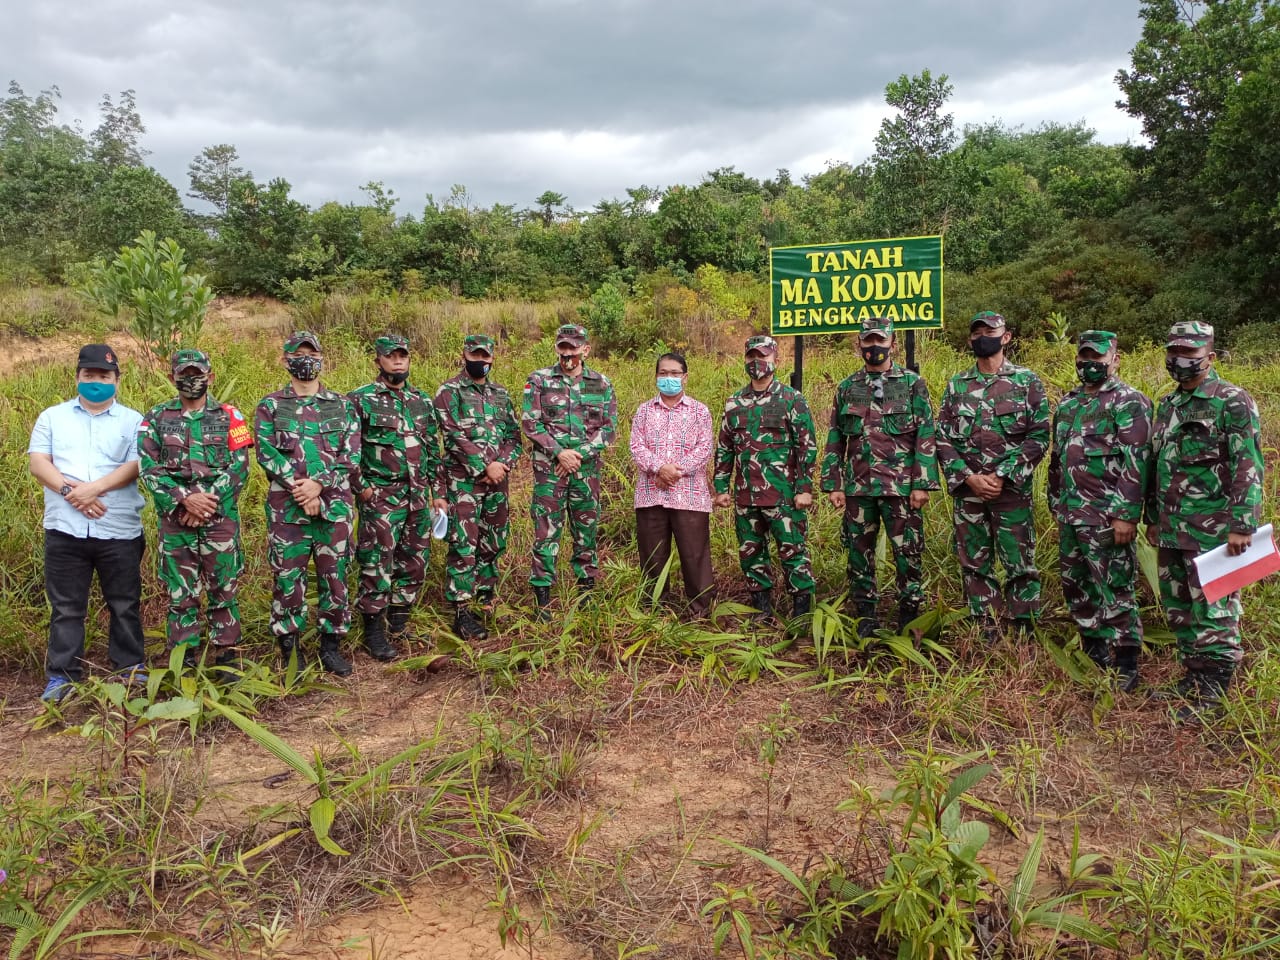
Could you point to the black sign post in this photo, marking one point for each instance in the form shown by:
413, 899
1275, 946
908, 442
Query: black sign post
797, 375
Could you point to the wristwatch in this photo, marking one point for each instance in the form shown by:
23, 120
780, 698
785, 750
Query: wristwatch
66, 488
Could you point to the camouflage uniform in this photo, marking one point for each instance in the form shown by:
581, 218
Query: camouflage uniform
1205, 482
399, 462
1098, 473
999, 424
767, 448
478, 427
308, 437
880, 447
564, 413
201, 451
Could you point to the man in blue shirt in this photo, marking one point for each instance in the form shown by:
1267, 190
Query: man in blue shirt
85, 454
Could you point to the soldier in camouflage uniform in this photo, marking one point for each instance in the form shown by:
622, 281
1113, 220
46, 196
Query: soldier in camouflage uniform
396, 488
993, 429
570, 416
481, 446
1097, 479
194, 459
309, 448
767, 449
879, 467
1204, 489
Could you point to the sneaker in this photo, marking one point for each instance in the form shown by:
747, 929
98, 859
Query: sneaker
56, 689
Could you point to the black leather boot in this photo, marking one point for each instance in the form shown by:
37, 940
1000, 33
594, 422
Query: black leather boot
542, 598
1127, 668
1096, 648
398, 624
1210, 683
465, 625
331, 657
868, 621
801, 603
289, 647
375, 637
908, 610
762, 600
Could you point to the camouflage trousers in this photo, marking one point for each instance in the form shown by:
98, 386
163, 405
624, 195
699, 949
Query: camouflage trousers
290, 548
204, 559
577, 494
1000, 528
478, 527
788, 525
1098, 581
392, 548
1206, 632
859, 533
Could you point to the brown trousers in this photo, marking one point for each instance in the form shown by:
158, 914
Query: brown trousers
655, 527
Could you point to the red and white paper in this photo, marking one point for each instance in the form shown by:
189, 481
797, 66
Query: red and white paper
1222, 575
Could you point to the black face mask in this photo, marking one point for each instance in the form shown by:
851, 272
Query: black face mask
983, 347
874, 356
1183, 369
1092, 372
304, 367
477, 369
395, 379
192, 388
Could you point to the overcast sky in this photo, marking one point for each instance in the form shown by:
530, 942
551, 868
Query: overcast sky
585, 97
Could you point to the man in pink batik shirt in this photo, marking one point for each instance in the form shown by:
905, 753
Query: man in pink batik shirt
671, 443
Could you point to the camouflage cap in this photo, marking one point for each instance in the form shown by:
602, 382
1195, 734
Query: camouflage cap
300, 338
761, 342
1099, 341
573, 334
986, 318
1190, 333
190, 358
478, 341
389, 343
880, 326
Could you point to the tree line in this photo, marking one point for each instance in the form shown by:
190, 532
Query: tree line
1059, 231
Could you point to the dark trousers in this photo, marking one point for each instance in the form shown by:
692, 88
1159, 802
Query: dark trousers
69, 565
655, 527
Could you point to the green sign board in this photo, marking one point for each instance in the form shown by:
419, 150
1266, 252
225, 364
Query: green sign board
833, 287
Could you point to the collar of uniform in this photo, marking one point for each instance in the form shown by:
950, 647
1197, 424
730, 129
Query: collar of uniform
775, 386
324, 393
892, 373
973, 373
1206, 390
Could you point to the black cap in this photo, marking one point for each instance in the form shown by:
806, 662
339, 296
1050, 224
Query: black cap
97, 356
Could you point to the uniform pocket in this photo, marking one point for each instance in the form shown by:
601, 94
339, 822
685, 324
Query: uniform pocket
1198, 442
852, 419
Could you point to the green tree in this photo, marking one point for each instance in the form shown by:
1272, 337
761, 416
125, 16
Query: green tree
550, 201
129, 201
116, 140
212, 173
263, 227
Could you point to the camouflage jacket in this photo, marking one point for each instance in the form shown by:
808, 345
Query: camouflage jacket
204, 451
881, 445
563, 413
1206, 471
308, 437
769, 438
1098, 468
399, 443
477, 425
993, 424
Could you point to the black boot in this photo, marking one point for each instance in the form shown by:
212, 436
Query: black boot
762, 600
190, 656
989, 629
331, 657
542, 598
800, 604
1127, 668
868, 621
1211, 682
397, 625
1096, 649
227, 659
586, 585
375, 637
465, 625
289, 647
908, 610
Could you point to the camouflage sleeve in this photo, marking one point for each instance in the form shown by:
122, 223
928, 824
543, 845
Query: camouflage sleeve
1244, 492
531, 420
604, 438
228, 484
348, 450
432, 456
954, 470
723, 474
1133, 440
461, 450
509, 444
925, 473
1151, 496
275, 464
804, 451
356, 399
1019, 467
833, 455
164, 488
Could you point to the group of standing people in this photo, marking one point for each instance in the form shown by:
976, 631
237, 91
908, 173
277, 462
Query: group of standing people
370, 474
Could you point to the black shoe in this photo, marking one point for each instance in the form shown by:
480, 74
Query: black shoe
465, 625
1127, 669
989, 629
190, 656
586, 585
397, 626
227, 659
1024, 630
542, 598
762, 600
375, 638
908, 610
800, 605
331, 657
1096, 649
868, 621
289, 647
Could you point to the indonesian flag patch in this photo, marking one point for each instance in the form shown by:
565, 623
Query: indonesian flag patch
240, 433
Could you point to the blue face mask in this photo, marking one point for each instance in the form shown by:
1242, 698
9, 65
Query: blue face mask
96, 391
670, 386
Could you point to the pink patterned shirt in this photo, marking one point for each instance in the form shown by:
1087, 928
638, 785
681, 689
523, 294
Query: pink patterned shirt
679, 435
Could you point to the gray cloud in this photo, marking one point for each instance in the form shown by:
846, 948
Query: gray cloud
583, 96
